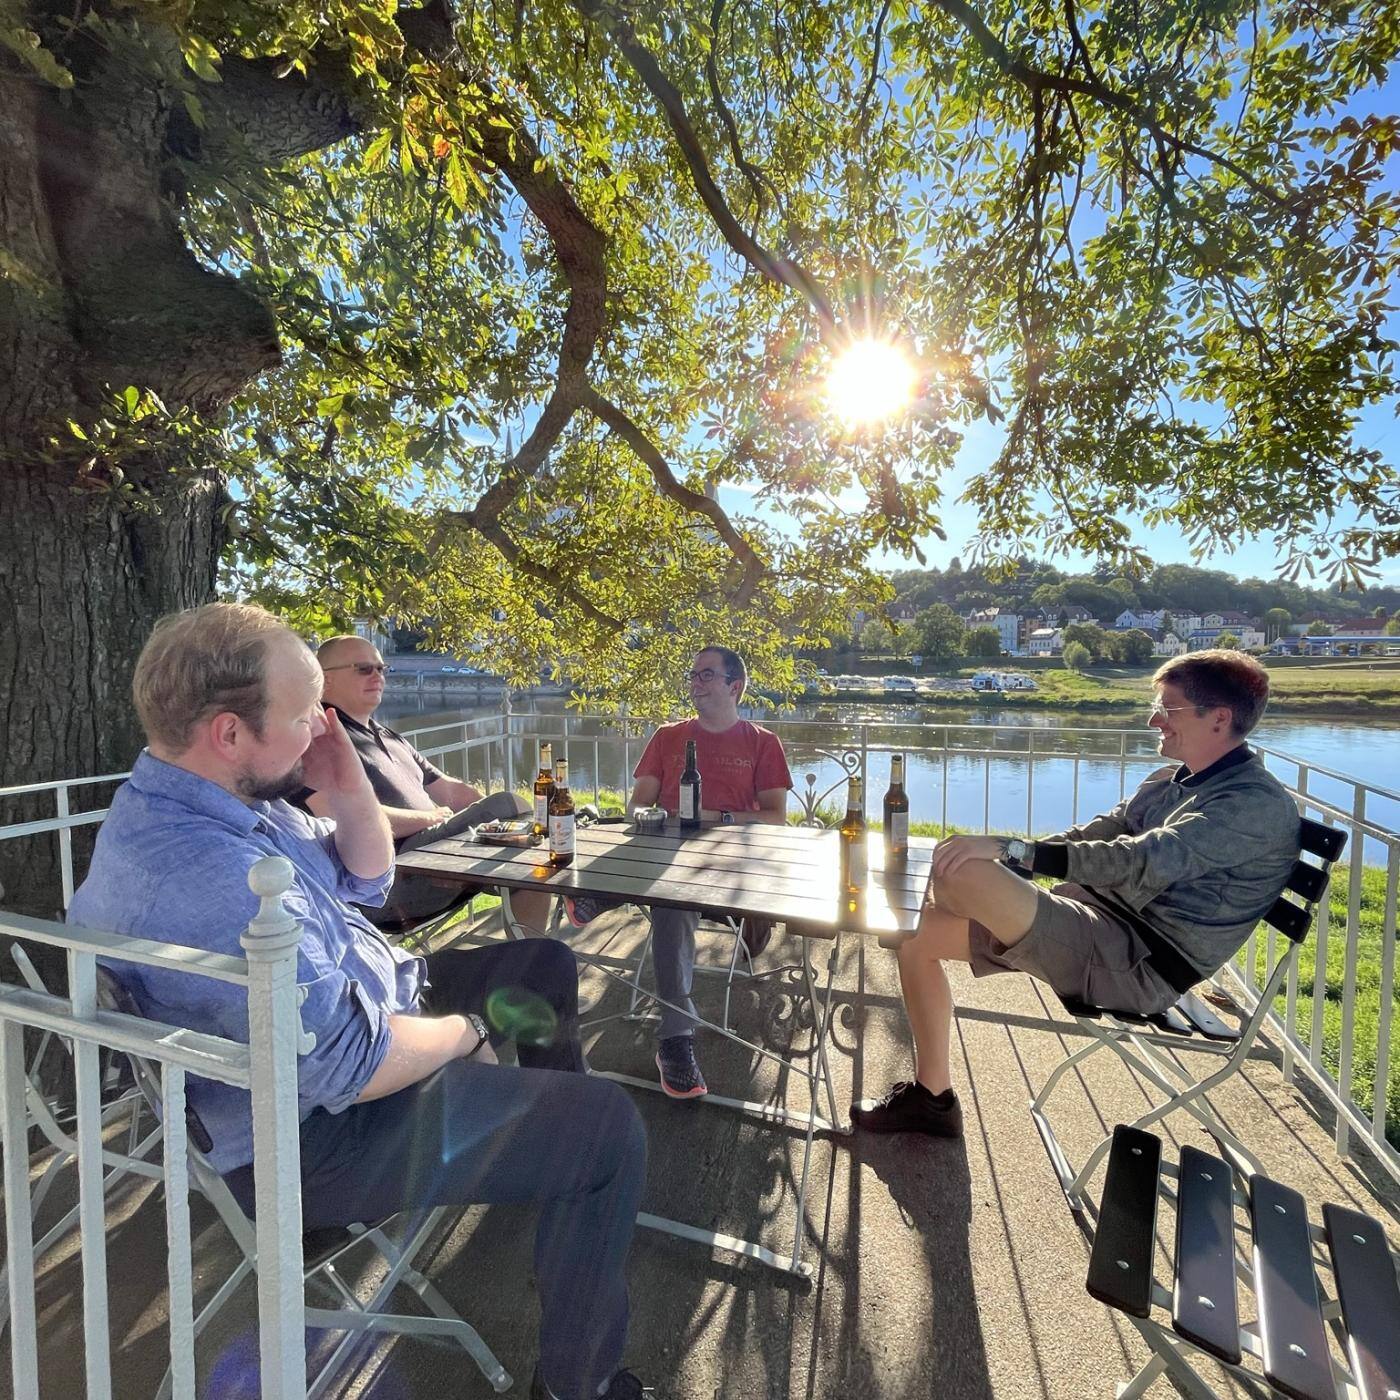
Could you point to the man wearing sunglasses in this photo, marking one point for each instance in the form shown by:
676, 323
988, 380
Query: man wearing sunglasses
744, 777
422, 804
1156, 895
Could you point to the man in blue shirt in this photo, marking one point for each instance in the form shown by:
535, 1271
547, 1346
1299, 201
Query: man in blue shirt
402, 1102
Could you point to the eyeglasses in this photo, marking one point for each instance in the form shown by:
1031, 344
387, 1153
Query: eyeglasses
362, 668
1161, 711
705, 676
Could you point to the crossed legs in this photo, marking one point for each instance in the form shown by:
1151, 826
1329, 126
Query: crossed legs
971, 889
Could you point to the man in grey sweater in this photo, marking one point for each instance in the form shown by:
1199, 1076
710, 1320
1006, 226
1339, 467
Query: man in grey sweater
1157, 894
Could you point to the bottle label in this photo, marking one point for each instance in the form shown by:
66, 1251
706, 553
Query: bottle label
688, 812
561, 834
542, 811
899, 831
855, 861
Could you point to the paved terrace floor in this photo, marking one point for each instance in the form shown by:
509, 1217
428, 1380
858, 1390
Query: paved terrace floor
945, 1269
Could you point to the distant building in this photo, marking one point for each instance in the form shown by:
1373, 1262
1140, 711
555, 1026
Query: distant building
1045, 641
1165, 643
1150, 620
1007, 626
1230, 620
377, 634
1203, 637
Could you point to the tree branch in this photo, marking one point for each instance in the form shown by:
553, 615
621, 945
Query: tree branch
580, 248
694, 501
774, 266
1037, 79
751, 173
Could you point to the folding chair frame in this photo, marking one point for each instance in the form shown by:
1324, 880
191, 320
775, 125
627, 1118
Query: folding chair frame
357, 1319
1146, 1045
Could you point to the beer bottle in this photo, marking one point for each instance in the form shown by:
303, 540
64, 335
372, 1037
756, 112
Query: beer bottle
561, 817
544, 787
896, 810
853, 841
690, 790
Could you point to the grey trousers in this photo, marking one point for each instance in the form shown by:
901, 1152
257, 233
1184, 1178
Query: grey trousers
673, 960
415, 897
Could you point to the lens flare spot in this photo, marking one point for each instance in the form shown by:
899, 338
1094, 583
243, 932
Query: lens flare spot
870, 382
523, 1016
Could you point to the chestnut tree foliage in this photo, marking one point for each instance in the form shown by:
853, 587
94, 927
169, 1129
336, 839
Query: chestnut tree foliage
464, 316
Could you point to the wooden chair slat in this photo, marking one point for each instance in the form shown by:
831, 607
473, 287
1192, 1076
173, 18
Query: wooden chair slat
1204, 1306
1365, 1278
1308, 880
1296, 1359
1316, 839
1120, 1264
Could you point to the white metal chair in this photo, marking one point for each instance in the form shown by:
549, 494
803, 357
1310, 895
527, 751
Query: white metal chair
1148, 1044
126, 1103
323, 1251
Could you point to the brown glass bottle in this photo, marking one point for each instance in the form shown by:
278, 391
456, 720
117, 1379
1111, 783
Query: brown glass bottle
896, 810
561, 817
853, 864
544, 787
689, 807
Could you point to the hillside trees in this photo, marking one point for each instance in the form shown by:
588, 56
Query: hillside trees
469, 317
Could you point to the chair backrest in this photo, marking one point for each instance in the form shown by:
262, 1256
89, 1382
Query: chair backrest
1307, 879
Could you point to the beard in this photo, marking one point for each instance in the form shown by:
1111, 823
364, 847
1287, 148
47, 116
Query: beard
256, 788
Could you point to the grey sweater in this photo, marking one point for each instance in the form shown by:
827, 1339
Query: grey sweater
1198, 857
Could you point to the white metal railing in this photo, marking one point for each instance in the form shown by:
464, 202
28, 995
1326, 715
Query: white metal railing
1027, 778
266, 1067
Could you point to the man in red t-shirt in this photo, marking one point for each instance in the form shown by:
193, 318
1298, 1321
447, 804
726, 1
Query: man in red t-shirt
744, 777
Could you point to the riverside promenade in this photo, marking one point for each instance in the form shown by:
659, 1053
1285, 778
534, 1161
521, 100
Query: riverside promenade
943, 1269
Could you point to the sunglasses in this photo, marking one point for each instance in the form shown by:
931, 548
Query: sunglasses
362, 668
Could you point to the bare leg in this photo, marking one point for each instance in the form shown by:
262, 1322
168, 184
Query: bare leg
531, 909
928, 999
983, 890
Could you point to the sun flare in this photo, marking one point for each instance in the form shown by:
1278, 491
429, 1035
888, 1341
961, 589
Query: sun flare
870, 382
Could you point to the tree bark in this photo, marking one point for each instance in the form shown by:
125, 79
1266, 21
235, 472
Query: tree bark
82, 582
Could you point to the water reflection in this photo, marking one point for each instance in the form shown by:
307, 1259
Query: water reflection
958, 783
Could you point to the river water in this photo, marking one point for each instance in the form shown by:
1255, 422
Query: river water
967, 788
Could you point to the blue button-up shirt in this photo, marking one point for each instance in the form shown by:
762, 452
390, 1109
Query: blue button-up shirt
172, 862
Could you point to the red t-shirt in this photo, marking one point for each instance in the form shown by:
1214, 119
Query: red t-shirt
735, 766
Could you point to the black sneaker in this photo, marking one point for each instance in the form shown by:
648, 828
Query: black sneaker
910, 1108
623, 1386
680, 1073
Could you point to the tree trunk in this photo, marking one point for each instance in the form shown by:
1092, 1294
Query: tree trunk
82, 582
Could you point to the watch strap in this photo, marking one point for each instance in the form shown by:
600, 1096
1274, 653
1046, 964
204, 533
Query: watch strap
479, 1026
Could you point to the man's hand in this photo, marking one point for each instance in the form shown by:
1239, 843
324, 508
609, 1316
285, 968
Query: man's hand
953, 852
330, 763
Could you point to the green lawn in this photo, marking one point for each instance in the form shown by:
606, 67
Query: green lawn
1369, 995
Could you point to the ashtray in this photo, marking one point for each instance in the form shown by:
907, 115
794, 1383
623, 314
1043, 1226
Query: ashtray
649, 819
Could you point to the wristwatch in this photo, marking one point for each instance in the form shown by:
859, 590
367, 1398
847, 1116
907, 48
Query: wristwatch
726, 818
479, 1026
1021, 852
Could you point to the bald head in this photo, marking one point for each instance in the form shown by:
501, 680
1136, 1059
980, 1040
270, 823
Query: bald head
354, 675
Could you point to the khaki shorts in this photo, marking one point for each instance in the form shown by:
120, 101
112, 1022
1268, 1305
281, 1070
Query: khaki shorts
1081, 949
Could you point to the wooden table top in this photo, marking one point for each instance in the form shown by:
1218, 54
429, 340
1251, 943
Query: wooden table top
786, 873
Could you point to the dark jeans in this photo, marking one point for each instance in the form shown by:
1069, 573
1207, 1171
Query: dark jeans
475, 1133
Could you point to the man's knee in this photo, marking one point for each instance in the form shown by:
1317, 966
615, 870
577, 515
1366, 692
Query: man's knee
963, 891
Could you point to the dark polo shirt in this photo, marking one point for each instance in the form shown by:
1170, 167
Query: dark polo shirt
398, 773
